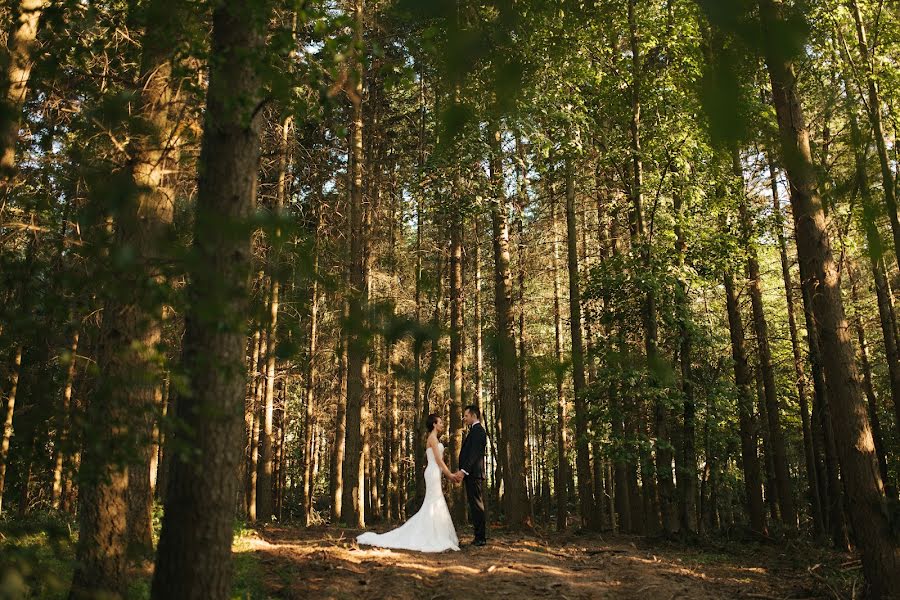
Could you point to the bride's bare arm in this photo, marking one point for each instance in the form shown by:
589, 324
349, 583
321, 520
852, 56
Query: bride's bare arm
432, 443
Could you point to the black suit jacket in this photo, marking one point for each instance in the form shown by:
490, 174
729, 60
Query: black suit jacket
471, 455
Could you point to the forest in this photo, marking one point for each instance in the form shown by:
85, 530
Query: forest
248, 246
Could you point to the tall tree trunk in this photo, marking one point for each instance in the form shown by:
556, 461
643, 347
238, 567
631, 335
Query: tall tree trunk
8, 418
456, 344
519, 210
770, 492
478, 378
582, 449
20, 46
868, 387
512, 446
749, 459
663, 466
875, 250
801, 382
871, 522
687, 477
420, 403
312, 372
259, 391
15, 371
340, 427
61, 445
194, 556
830, 488
116, 498
265, 482
357, 346
562, 426
779, 457
874, 109
248, 476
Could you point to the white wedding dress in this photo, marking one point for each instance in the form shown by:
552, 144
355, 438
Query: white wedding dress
429, 530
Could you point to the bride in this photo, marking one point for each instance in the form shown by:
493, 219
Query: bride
431, 529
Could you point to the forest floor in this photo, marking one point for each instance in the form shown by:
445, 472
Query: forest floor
288, 562
326, 563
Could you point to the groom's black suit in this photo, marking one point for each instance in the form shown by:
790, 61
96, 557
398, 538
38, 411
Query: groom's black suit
471, 460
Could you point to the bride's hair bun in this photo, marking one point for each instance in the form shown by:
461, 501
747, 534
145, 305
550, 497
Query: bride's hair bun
430, 421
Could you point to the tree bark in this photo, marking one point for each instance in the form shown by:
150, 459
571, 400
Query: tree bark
116, 498
687, 477
749, 458
340, 427
357, 345
868, 387
562, 426
875, 251
20, 45
265, 482
194, 556
61, 444
764, 353
582, 448
874, 109
516, 501
830, 488
456, 346
871, 522
312, 372
8, 418
799, 372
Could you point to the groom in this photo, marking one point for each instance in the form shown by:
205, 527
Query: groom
471, 470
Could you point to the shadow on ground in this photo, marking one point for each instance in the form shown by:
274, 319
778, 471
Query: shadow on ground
326, 563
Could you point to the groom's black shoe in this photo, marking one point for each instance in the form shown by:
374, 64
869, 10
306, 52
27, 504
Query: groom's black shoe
479, 543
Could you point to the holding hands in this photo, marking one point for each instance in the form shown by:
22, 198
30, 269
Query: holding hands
457, 477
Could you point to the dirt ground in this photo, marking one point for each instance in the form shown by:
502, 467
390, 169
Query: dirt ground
326, 563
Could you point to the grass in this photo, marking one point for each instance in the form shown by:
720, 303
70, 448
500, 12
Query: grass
37, 557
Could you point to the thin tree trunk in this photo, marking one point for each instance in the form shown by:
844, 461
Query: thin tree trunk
194, 556
340, 428
875, 251
749, 459
353, 511
8, 419
687, 477
265, 483
61, 445
257, 403
519, 211
868, 387
312, 373
515, 493
20, 45
801, 382
420, 403
478, 377
764, 353
871, 522
770, 493
456, 349
874, 109
582, 450
562, 426
663, 467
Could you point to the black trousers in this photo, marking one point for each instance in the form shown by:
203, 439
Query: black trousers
475, 495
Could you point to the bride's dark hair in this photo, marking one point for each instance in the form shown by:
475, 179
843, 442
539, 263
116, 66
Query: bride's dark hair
430, 421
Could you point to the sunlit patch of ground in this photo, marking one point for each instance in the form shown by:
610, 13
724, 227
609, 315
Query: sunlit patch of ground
326, 563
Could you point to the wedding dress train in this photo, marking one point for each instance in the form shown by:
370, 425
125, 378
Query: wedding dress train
429, 530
